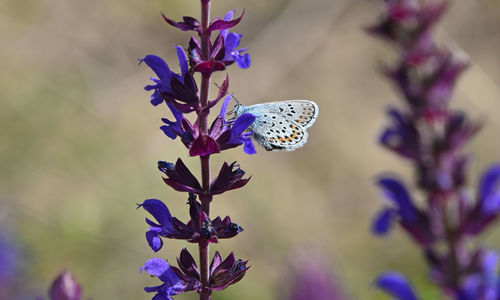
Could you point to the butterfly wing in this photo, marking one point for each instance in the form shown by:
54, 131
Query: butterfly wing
282, 125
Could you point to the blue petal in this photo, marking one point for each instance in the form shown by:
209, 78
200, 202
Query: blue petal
397, 285
383, 222
154, 240
228, 17
248, 145
158, 210
491, 204
244, 61
159, 66
490, 264
489, 182
156, 98
232, 42
156, 267
177, 114
241, 124
225, 104
168, 130
395, 191
182, 60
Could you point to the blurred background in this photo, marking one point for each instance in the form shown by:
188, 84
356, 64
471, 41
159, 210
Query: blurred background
79, 141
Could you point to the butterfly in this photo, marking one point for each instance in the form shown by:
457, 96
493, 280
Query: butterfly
281, 125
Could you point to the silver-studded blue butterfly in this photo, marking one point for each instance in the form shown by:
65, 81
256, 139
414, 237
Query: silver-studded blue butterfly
281, 126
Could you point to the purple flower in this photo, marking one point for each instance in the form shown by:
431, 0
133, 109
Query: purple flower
9, 257
192, 24
232, 42
179, 177
487, 207
200, 227
230, 177
65, 287
223, 52
225, 135
179, 89
312, 280
171, 286
223, 273
173, 129
165, 226
402, 137
430, 90
485, 284
227, 272
397, 285
410, 217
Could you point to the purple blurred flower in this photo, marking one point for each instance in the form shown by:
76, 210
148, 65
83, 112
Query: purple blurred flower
9, 258
485, 284
430, 90
410, 217
313, 281
487, 207
179, 89
171, 286
396, 285
65, 287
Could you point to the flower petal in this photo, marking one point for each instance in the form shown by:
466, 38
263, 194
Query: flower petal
397, 285
154, 240
158, 210
395, 191
241, 124
489, 182
383, 222
159, 66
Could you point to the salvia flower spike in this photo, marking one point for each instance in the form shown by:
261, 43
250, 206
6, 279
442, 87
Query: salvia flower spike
431, 135
213, 47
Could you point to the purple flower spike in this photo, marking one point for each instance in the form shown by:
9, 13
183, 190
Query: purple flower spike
171, 286
397, 285
65, 287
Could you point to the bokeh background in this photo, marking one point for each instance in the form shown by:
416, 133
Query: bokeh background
79, 140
